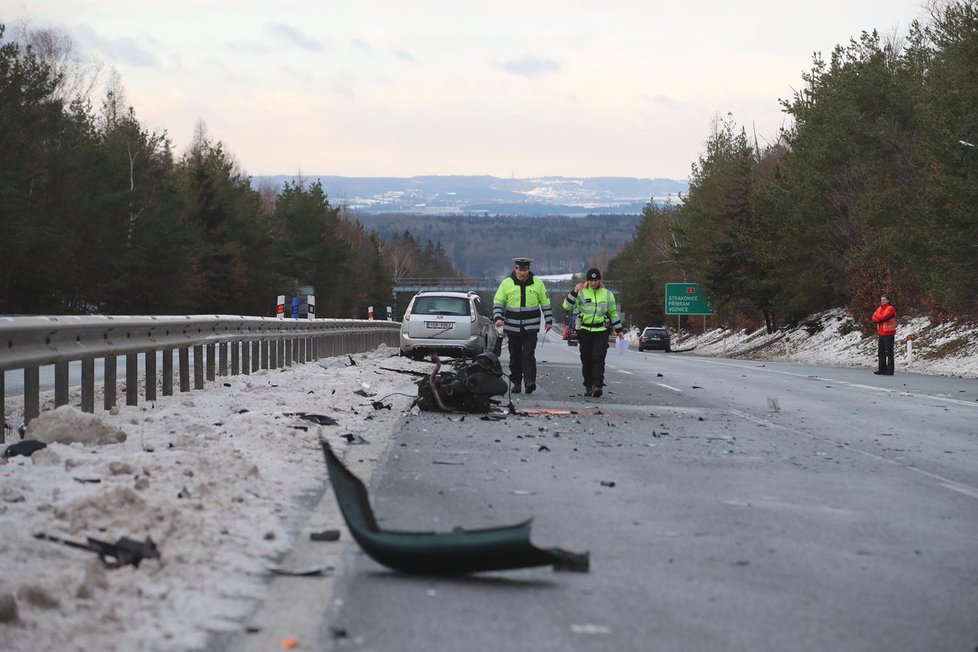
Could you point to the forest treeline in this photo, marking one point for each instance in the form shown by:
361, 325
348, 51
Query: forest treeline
97, 214
484, 246
873, 188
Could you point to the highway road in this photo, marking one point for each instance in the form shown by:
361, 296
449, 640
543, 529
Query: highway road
726, 505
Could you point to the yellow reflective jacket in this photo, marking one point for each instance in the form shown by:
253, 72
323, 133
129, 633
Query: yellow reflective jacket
597, 308
519, 304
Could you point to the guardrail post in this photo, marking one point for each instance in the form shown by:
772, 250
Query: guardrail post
110, 365
264, 354
168, 372
222, 359
256, 356
235, 358
246, 358
150, 364
132, 379
3, 408
211, 362
184, 356
199, 367
60, 384
32, 393
88, 384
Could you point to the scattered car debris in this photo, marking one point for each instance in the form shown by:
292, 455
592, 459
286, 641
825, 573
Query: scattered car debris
409, 372
123, 552
607, 483
8, 609
183, 493
318, 419
26, 447
469, 387
356, 440
365, 393
308, 571
353, 362
87, 480
451, 553
325, 535
377, 405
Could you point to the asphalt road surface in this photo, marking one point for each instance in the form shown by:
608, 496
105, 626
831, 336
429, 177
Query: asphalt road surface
726, 505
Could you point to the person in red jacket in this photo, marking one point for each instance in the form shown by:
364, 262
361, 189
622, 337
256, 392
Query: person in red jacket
885, 320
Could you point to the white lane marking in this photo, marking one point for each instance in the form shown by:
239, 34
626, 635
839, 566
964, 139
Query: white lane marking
884, 390
967, 490
622, 371
960, 488
675, 389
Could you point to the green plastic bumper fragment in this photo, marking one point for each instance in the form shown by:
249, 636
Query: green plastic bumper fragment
433, 553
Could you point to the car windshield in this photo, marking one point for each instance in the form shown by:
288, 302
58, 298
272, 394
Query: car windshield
654, 331
454, 306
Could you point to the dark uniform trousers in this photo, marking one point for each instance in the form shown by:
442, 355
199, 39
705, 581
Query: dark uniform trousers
885, 354
522, 358
594, 348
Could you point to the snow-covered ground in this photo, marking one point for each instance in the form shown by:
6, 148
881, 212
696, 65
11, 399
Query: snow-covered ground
223, 479
219, 479
830, 338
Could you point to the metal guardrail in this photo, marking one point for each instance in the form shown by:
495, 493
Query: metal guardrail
219, 345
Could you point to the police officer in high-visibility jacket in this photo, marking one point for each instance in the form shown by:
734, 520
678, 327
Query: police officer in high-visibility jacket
517, 306
598, 311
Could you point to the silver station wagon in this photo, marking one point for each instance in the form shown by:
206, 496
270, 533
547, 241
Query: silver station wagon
455, 324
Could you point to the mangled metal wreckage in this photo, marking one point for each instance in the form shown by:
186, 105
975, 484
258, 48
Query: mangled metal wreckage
432, 553
469, 387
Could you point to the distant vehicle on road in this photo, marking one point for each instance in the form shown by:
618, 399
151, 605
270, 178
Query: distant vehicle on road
654, 337
455, 324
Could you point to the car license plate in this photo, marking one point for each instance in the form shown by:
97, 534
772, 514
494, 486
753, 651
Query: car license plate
440, 325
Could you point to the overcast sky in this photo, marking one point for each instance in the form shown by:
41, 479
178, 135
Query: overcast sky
409, 87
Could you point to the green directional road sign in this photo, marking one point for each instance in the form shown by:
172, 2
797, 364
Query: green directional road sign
686, 299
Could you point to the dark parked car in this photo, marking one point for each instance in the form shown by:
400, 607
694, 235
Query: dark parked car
654, 337
447, 323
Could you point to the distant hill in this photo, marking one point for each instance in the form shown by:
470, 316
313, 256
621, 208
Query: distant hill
491, 196
484, 246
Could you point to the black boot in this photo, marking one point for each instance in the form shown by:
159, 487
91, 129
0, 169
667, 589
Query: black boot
531, 387
589, 391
